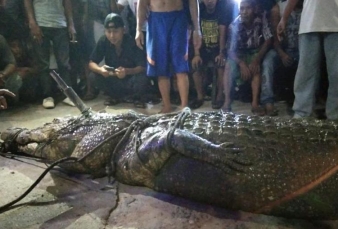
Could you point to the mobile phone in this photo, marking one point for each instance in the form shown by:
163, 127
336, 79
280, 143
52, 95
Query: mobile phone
110, 69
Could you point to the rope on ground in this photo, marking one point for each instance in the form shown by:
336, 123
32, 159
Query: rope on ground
6, 207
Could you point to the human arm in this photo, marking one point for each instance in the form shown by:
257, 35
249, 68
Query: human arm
244, 68
99, 54
233, 52
277, 43
141, 17
255, 64
116, 7
122, 72
136, 58
220, 57
267, 35
69, 16
94, 67
286, 59
225, 16
9, 69
35, 30
7, 59
194, 12
291, 4
196, 60
3, 102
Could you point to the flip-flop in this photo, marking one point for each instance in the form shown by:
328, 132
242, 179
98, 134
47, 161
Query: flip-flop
272, 113
89, 96
139, 104
270, 110
259, 111
226, 109
217, 104
196, 103
111, 102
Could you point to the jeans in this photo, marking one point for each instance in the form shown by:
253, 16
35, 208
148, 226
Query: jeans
269, 65
135, 86
60, 39
311, 48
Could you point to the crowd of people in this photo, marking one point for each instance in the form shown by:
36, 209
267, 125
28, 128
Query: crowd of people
141, 50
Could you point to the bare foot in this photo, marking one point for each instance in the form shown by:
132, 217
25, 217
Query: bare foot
165, 111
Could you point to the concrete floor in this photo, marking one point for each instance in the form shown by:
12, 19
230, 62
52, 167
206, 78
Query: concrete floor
73, 201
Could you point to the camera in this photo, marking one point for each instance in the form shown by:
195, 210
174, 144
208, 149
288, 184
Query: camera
110, 69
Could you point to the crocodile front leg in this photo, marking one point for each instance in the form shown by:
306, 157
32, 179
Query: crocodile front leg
224, 156
142, 166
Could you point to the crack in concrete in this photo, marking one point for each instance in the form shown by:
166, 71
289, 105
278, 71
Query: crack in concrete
117, 193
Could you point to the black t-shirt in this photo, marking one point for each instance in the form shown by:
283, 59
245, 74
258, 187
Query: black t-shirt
6, 56
223, 15
131, 56
266, 5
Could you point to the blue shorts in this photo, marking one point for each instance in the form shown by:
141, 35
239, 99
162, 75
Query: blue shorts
167, 43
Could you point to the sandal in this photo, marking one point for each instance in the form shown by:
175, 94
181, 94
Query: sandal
272, 113
207, 98
226, 109
259, 111
128, 99
111, 102
89, 96
196, 103
270, 110
139, 104
217, 104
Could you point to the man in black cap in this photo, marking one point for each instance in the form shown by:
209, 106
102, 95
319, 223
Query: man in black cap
123, 74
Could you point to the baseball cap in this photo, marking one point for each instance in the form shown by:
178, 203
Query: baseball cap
113, 21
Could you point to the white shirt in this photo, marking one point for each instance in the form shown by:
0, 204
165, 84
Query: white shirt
319, 16
50, 13
133, 6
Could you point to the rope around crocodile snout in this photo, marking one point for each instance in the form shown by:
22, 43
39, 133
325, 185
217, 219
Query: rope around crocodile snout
137, 125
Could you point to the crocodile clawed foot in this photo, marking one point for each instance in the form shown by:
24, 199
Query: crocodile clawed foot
8, 137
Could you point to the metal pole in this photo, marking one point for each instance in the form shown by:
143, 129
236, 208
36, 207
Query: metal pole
71, 94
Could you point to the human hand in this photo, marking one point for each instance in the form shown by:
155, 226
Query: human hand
197, 39
139, 38
24, 71
104, 72
36, 33
245, 71
3, 102
196, 62
220, 60
72, 34
120, 72
286, 59
281, 29
255, 67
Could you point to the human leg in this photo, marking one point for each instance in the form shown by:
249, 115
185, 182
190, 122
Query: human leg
227, 88
164, 86
198, 82
269, 66
42, 53
178, 49
268, 69
231, 74
255, 87
111, 86
139, 88
308, 73
218, 101
197, 78
183, 88
61, 50
331, 54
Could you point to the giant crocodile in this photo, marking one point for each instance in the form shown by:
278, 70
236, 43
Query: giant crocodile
256, 164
